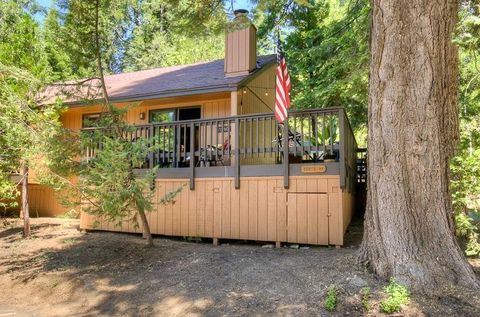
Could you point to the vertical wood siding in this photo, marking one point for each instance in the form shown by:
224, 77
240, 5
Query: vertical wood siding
240, 51
312, 211
213, 105
43, 202
258, 96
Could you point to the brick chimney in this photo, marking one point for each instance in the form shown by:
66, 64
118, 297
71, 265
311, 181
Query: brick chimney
240, 45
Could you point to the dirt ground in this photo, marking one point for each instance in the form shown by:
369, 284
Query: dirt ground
61, 271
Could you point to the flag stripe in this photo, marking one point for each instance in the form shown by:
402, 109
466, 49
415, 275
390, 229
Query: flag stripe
283, 86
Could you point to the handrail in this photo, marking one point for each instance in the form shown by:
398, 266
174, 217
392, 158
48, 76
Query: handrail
308, 135
253, 115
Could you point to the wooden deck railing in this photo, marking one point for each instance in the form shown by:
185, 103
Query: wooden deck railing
309, 136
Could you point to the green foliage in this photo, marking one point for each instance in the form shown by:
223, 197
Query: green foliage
20, 44
69, 36
62, 66
169, 198
29, 133
466, 165
109, 184
21, 59
169, 33
326, 44
113, 191
331, 300
397, 295
365, 294
134, 35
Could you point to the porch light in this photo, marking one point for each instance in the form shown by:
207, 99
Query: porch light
244, 91
142, 115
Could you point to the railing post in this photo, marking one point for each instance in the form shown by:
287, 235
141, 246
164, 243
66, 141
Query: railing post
178, 151
285, 154
192, 156
341, 147
237, 153
151, 143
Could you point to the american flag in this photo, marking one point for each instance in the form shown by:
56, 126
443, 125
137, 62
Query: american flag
282, 93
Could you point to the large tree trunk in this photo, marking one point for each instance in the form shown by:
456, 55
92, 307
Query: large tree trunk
412, 132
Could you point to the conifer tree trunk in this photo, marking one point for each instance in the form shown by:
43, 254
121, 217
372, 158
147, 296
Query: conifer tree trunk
146, 227
412, 133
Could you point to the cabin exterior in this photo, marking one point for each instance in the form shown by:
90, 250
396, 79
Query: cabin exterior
245, 175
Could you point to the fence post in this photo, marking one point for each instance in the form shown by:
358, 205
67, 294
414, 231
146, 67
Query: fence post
285, 154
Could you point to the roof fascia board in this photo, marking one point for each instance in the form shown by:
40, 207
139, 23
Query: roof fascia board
168, 94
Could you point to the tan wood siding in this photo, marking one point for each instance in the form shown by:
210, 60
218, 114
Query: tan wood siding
258, 96
240, 51
212, 105
43, 202
256, 211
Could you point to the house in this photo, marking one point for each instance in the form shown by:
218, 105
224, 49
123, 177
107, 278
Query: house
247, 176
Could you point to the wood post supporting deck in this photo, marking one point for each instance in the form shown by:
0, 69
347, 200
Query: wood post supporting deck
285, 153
237, 153
278, 244
215, 242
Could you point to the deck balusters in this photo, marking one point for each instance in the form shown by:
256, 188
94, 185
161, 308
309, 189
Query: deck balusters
306, 134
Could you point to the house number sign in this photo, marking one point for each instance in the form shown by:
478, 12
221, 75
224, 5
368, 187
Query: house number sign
314, 169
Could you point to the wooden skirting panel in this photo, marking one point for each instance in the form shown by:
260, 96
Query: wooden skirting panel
311, 211
43, 202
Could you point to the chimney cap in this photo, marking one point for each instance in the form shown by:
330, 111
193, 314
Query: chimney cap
240, 12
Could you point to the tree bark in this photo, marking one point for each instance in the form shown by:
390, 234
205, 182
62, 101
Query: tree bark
412, 133
25, 209
146, 228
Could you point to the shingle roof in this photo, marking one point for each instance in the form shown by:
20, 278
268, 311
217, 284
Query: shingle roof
155, 83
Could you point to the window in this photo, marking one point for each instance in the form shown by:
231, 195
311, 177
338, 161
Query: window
170, 115
90, 120
162, 116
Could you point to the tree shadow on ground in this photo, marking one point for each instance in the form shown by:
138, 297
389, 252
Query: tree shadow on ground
106, 273
102, 273
15, 233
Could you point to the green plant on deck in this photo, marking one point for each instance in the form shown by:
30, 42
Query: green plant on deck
365, 294
331, 300
397, 295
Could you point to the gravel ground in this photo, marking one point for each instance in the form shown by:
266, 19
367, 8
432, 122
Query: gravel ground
61, 271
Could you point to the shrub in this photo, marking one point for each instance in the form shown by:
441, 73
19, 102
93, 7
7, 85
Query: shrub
365, 293
397, 295
331, 301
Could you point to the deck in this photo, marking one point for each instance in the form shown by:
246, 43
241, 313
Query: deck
251, 178
251, 145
